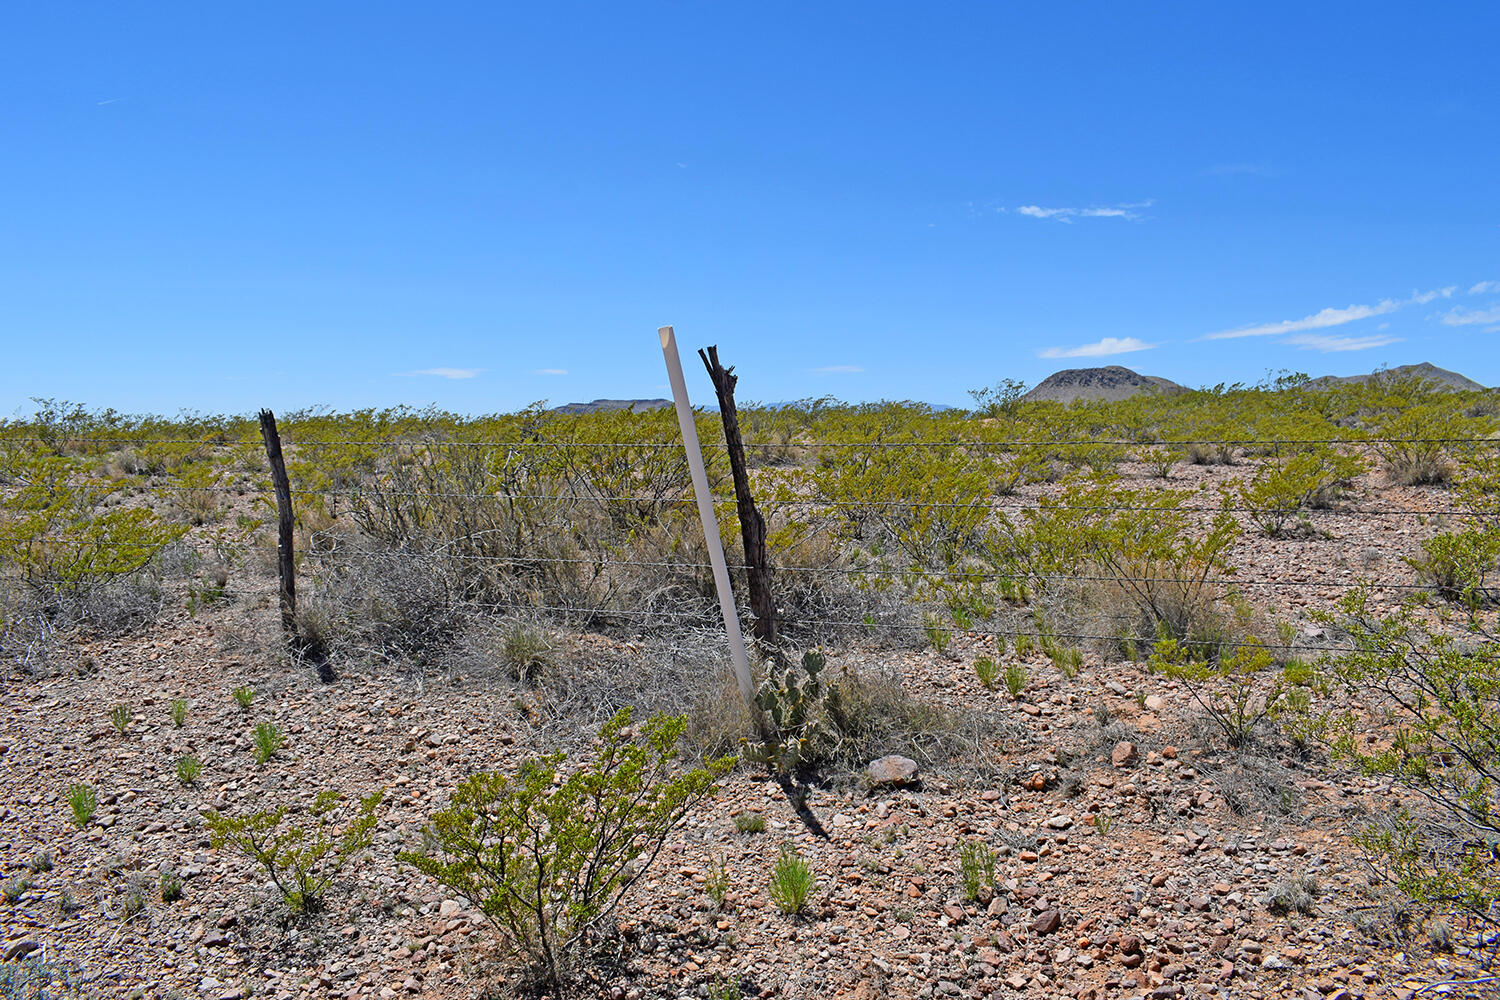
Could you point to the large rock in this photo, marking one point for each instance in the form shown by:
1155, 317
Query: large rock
892, 770
1124, 754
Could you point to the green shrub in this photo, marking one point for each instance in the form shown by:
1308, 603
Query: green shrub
40, 862
545, 859
120, 717
178, 712
1282, 487
244, 695
988, 671
268, 741
976, 867
83, 801
171, 887
1443, 694
748, 822
1225, 688
791, 881
301, 859
62, 540
1460, 565
189, 768
716, 883
1015, 679
15, 888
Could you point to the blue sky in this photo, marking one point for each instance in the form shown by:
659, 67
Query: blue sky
223, 206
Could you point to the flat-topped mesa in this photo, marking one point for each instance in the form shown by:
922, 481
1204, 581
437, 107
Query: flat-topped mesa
1110, 384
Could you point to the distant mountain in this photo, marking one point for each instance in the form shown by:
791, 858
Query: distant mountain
1441, 377
602, 405
1111, 384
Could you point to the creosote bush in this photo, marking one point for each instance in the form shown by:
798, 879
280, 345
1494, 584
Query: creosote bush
1441, 686
544, 856
302, 859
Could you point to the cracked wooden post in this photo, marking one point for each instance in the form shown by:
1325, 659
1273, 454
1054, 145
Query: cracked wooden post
752, 525
286, 566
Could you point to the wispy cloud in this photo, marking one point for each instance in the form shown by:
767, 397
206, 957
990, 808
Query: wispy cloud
1485, 286
1100, 349
552, 371
1329, 344
1471, 317
1124, 211
445, 372
112, 100
1324, 318
838, 370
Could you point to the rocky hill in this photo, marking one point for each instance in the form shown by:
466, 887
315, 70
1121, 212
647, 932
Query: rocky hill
1110, 383
601, 405
1428, 372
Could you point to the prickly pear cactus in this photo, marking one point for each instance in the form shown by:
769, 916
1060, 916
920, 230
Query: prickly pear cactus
793, 701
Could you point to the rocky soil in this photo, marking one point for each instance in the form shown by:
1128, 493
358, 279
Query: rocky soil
1137, 854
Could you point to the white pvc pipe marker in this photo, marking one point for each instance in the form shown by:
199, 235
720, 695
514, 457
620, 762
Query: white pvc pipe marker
706, 513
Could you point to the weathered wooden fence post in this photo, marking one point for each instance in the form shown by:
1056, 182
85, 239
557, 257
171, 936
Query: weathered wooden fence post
752, 525
286, 566
737, 654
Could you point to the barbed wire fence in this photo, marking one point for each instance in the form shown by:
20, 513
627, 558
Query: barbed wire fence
327, 549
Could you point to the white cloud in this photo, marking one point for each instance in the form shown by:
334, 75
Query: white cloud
1471, 317
1103, 348
1485, 286
552, 371
838, 370
1329, 344
1324, 318
445, 372
1124, 211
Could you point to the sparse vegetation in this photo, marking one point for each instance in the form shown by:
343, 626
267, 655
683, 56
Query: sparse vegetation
120, 717
792, 881
268, 741
171, 887
82, 800
1015, 679
15, 888
987, 670
243, 696
1298, 894
748, 822
302, 859
545, 857
716, 882
976, 867
189, 768
178, 712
